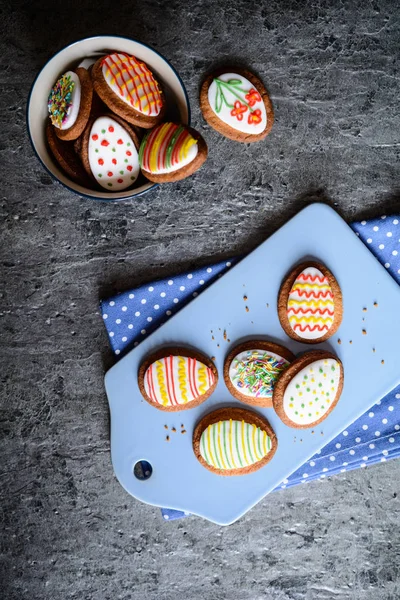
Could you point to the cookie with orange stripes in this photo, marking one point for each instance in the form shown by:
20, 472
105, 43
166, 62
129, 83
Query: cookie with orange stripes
310, 304
171, 152
175, 379
128, 87
234, 441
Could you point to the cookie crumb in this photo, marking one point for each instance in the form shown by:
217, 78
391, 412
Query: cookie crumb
301, 440
375, 304
183, 431
165, 426
364, 309
267, 305
382, 362
212, 337
245, 298
173, 428
247, 309
217, 345
313, 431
212, 358
364, 332
322, 433
182, 425
167, 438
373, 350
339, 341
224, 334
351, 341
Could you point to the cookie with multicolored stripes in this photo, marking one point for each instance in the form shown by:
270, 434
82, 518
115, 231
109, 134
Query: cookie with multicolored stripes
310, 305
251, 370
171, 152
109, 153
234, 441
69, 103
175, 379
236, 104
128, 87
310, 388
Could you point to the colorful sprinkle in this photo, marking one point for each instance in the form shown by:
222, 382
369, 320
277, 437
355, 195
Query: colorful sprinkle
60, 100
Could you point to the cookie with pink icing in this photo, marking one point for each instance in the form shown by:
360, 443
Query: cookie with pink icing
109, 152
69, 104
129, 89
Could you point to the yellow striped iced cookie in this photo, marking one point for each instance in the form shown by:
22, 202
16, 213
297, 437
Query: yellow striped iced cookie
234, 441
176, 379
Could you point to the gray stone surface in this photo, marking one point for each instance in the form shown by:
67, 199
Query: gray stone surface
68, 529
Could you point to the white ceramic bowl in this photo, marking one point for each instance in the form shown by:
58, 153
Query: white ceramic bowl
178, 108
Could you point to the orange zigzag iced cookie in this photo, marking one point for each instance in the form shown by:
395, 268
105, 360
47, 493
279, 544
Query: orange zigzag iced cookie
310, 303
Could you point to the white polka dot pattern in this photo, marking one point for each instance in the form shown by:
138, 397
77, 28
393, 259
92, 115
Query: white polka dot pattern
373, 438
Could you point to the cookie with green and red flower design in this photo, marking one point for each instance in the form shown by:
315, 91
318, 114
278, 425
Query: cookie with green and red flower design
237, 105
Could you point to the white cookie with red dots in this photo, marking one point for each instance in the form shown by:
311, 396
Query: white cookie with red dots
109, 150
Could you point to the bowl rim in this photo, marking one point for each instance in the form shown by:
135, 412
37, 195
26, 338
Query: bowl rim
94, 37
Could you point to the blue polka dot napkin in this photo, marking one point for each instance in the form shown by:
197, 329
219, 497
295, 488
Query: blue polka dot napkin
374, 437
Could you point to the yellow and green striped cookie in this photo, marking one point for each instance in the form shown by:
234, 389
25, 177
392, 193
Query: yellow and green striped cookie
234, 441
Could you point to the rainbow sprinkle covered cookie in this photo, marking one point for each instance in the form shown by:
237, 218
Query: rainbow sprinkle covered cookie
175, 379
237, 105
234, 441
171, 152
252, 369
69, 103
129, 89
310, 303
309, 389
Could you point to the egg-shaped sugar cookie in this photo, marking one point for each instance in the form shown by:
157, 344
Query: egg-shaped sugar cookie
237, 105
234, 441
310, 303
109, 150
170, 152
251, 370
175, 379
309, 389
129, 89
69, 104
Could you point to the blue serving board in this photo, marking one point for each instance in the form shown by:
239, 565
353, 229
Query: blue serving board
215, 322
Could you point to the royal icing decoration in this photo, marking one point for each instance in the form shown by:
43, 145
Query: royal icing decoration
133, 83
310, 306
233, 444
167, 148
64, 101
310, 394
113, 157
237, 103
175, 380
254, 372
